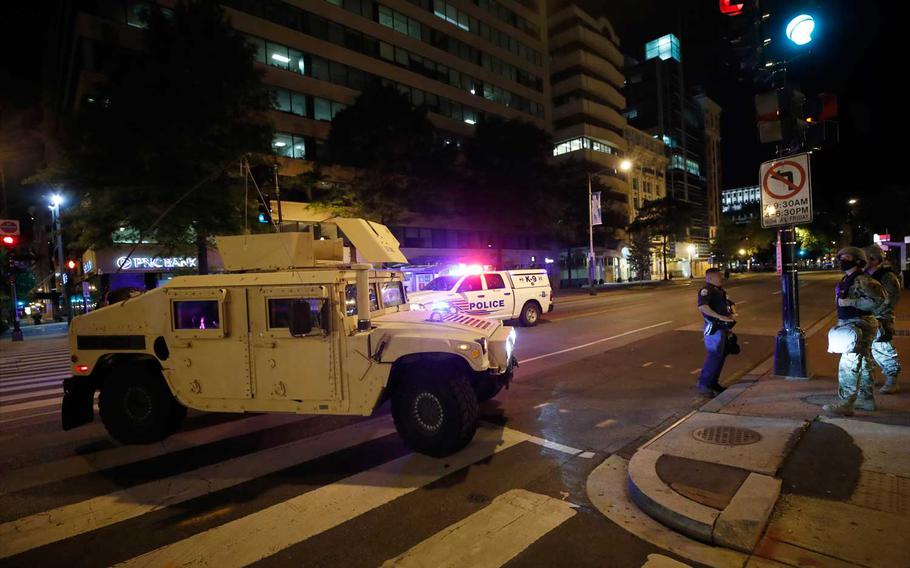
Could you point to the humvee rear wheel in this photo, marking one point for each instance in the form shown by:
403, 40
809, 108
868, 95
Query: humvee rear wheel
137, 407
530, 314
435, 415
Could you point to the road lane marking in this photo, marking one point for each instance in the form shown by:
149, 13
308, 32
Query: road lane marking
606, 423
23, 396
668, 366
542, 404
612, 337
586, 455
33, 384
68, 521
18, 418
74, 466
553, 445
492, 536
9, 409
695, 372
246, 540
648, 364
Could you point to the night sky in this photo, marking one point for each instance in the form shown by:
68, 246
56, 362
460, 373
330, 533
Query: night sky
855, 55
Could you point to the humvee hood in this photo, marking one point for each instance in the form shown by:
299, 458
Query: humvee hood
436, 320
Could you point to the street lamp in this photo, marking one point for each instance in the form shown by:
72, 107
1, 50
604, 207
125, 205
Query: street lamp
625, 165
56, 201
591, 257
691, 249
852, 201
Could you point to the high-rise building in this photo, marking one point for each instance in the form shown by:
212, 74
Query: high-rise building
658, 103
710, 112
462, 59
586, 82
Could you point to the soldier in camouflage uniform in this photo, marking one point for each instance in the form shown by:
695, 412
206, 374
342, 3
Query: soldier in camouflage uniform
883, 350
858, 297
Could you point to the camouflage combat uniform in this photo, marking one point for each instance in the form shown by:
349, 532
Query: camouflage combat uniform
883, 350
854, 372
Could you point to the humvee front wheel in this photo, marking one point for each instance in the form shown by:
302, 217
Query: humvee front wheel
137, 407
435, 415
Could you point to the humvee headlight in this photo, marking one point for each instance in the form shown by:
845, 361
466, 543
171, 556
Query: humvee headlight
463, 346
510, 343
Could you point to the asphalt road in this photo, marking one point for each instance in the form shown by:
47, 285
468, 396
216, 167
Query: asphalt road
598, 376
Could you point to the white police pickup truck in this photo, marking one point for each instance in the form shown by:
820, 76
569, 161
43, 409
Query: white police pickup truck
504, 295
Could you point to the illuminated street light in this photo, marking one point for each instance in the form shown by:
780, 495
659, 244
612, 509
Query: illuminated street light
853, 201
742, 252
625, 165
56, 200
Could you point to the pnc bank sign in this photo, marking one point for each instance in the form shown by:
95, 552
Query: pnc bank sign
156, 262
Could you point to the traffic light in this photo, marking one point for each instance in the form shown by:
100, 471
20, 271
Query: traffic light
779, 114
731, 7
71, 265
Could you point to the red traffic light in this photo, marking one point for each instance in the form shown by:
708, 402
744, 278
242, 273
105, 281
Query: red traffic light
731, 7
9, 240
71, 264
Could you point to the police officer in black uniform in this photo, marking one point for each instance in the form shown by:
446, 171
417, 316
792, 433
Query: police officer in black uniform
717, 311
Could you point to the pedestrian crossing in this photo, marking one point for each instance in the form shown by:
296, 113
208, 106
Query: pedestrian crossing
31, 377
283, 490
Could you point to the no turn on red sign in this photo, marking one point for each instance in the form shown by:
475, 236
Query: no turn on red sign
786, 191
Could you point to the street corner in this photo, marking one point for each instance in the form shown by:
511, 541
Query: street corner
609, 491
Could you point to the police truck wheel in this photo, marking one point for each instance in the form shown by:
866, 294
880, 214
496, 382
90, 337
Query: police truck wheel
138, 408
530, 314
437, 415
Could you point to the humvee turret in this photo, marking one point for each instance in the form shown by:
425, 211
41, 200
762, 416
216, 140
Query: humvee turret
290, 327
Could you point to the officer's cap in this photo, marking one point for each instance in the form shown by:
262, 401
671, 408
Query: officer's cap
875, 252
856, 252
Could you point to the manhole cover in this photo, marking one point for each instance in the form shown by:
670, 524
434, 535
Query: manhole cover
820, 399
726, 435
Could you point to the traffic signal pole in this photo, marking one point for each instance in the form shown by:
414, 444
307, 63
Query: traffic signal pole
790, 344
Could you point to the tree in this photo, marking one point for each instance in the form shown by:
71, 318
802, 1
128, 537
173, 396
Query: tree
161, 137
640, 254
382, 132
664, 220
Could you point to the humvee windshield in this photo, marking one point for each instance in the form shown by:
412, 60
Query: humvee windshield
392, 294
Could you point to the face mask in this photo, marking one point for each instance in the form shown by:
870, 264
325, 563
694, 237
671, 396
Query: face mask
846, 265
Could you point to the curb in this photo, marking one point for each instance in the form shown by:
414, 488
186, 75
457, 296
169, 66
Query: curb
737, 526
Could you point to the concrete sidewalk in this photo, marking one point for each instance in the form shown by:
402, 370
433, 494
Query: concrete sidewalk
760, 473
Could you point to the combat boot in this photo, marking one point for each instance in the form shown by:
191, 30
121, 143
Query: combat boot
867, 404
890, 386
840, 408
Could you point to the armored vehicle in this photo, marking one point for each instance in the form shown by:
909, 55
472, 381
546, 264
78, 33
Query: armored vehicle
290, 327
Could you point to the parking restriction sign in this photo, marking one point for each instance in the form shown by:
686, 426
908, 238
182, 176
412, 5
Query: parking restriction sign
786, 191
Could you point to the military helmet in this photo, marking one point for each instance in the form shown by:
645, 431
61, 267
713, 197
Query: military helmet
875, 252
856, 252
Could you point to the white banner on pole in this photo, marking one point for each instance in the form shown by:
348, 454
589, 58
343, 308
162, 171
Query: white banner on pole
596, 218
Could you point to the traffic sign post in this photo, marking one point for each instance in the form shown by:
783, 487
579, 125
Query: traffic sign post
786, 201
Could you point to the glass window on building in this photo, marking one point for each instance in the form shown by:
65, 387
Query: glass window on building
297, 63
259, 45
299, 148
282, 100
283, 145
298, 103
278, 56
322, 109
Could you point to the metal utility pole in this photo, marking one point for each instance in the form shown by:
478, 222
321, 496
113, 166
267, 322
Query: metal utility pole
277, 195
591, 258
64, 298
790, 344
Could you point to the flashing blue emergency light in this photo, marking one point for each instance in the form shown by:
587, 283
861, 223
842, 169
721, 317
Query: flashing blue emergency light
800, 29
263, 218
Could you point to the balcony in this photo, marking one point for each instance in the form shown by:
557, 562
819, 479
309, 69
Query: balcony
592, 85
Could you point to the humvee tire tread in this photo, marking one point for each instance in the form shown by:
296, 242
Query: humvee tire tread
458, 400
487, 389
164, 416
523, 318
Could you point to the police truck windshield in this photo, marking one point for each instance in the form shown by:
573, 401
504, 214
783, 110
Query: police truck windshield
442, 283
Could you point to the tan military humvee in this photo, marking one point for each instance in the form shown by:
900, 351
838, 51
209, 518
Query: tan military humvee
289, 328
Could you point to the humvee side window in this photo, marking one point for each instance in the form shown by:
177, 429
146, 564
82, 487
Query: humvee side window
350, 300
471, 284
279, 307
196, 314
392, 294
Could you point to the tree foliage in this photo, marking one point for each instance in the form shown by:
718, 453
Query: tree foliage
169, 124
664, 221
